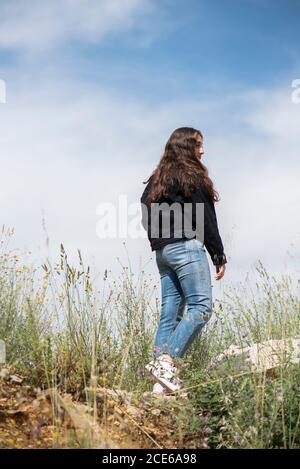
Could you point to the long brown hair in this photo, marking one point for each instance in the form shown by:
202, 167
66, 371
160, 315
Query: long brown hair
180, 165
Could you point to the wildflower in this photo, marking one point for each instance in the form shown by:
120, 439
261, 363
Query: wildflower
208, 430
185, 365
204, 418
36, 430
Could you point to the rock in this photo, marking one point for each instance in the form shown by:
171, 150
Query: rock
15, 379
4, 373
264, 355
133, 411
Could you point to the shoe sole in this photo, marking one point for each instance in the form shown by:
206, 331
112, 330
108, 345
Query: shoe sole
164, 382
165, 395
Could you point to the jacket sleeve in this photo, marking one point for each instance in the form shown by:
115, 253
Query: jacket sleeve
145, 211
212, 238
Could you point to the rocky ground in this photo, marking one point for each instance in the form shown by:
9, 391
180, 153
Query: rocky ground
35, 418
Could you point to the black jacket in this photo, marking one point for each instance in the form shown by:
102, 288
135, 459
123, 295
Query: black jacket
211, 237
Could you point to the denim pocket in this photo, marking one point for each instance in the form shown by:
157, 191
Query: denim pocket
195, 249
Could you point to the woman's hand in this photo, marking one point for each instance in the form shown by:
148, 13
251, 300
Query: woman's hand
220, 269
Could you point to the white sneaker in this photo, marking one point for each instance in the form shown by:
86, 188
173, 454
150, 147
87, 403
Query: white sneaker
160, 392
164, 373
158, 389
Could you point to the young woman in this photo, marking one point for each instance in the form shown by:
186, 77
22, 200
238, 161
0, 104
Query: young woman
181, 180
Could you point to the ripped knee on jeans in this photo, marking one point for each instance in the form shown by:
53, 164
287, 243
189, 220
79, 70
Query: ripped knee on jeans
207, 315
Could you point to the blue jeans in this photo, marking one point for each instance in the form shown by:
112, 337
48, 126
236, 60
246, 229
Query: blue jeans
186, 293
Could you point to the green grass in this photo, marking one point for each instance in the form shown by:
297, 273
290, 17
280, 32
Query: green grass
63, 329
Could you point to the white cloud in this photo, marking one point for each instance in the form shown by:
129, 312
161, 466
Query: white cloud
43, 24
277, 116
66, 147
257, 168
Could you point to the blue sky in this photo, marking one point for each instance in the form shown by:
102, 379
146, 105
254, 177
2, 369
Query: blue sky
94, 89
206, 45
233, 43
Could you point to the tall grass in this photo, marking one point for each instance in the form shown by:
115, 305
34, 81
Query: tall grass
64, 329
